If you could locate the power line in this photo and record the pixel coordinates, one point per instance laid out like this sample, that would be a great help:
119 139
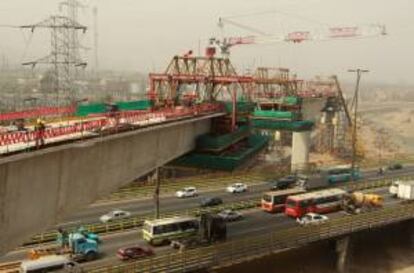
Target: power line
9 26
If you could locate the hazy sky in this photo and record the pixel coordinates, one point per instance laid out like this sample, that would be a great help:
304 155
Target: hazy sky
142 35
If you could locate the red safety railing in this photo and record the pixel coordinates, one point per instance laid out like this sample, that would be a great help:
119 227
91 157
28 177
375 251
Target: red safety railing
108 121
28 136
38 112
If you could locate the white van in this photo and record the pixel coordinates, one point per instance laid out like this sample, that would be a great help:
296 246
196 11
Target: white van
49 264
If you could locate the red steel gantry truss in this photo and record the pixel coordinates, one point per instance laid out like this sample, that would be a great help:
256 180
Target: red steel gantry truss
205 78
189 79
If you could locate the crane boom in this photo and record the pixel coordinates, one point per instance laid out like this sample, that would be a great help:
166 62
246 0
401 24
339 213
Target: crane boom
326 34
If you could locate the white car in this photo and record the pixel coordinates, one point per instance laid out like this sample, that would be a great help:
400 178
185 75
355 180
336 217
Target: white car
187 192
114 215
237 188
312 219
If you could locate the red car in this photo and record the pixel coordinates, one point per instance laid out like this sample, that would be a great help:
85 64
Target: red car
134 252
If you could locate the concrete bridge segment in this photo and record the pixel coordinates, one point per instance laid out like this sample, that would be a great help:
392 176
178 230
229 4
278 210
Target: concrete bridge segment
38 189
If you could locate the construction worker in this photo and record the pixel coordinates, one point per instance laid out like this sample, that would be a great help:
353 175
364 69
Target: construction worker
19 123
40 132
63 238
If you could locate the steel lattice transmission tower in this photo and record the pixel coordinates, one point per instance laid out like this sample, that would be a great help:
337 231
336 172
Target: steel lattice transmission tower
65 53
72 8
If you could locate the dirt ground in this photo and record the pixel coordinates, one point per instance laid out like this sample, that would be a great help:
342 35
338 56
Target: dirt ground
383 133
389 131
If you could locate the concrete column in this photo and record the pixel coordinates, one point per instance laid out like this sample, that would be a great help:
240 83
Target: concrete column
300 150
342 247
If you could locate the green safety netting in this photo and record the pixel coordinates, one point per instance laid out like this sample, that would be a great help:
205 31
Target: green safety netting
134 105
241 106
98 108
218 143
92 108
275 114
227 162
303 125
292 100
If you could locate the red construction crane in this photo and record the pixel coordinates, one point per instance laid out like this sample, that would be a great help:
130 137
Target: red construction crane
319 34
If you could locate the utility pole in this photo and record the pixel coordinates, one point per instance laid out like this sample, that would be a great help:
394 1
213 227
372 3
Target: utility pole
156 176
354 131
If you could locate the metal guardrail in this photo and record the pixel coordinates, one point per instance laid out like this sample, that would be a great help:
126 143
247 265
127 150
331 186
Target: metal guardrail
135 222
245 249
409 159
356 186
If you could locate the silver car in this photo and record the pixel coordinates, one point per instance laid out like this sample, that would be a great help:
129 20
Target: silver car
230 215
114 215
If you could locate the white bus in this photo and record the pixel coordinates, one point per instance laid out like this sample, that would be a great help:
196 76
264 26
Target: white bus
49 264
162 231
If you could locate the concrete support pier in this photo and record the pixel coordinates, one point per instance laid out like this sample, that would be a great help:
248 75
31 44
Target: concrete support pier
300 150
342 247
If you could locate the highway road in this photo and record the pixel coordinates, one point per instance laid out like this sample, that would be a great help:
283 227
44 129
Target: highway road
255 222
170 203
167 203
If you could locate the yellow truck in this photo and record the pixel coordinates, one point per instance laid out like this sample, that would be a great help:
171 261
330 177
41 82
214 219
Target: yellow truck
357 202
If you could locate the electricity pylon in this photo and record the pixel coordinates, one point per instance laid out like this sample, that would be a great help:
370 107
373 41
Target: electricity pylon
64 56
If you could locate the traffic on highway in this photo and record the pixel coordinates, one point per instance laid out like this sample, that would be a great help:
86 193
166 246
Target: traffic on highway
302 202
170 203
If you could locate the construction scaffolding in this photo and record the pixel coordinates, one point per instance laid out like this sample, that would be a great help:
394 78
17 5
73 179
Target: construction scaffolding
335 129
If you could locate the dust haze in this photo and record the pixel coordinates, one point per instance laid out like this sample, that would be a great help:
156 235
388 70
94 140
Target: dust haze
143 35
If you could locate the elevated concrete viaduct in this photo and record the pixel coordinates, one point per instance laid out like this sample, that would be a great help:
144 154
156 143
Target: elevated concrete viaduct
38 189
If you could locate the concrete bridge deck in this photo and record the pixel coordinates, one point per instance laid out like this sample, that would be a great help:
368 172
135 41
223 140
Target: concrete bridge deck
38 189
